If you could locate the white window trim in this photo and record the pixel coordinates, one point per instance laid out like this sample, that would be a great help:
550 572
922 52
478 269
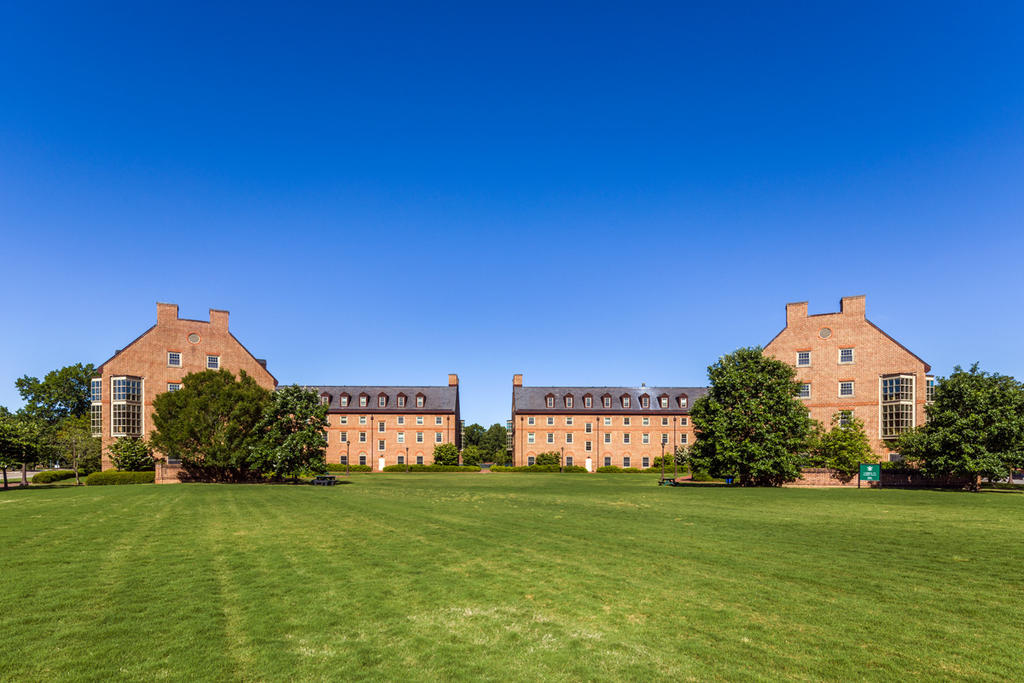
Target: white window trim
208 357
173 365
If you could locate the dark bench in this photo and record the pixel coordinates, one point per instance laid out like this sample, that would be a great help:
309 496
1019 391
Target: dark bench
324 480
669 482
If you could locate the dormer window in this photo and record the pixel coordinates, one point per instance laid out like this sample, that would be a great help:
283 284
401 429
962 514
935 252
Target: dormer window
568 401
401 400
549 401
663 401
588 401
325 399
625 401
419 400
343 400
606 401
645 401
382 401
682 402
364 400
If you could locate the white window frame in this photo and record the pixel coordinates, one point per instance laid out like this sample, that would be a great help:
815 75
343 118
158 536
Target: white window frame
531 421
216 362
531 437
174 386
568 437
438 420
173 353
401 437
799 354
852 356
805 386
551 437
852 388
438 437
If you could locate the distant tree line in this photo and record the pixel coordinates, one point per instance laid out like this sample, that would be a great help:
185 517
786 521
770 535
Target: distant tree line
485 445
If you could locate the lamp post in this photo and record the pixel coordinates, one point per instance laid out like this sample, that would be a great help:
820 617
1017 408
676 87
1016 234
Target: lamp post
406 459
561 457
663 458
347 445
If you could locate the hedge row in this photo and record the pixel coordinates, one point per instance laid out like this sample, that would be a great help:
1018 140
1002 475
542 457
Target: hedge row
52 475
109 477
431 468
338 467
538 468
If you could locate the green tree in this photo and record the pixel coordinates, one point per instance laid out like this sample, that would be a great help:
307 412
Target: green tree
79 446
751 425
843 448
549 458
293 436
474 435
494 440
210 424
19 443
131 454
446 454
60 394
473 455
975 427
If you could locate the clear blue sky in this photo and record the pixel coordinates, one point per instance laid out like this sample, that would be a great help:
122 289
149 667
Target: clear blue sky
588 194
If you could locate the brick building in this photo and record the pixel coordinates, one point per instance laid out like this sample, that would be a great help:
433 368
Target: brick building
599 426
379 426
847 365
155 362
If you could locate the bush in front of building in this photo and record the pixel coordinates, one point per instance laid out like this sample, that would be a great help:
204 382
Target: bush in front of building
115 477
473 455
446 454
131 454
52 475
609 469
340 467
431 468
750 388
539 468
843 448
549 458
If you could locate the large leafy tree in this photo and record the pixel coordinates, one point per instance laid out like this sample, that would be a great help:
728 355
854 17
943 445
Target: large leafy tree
474 435
446 454
75 439
292 434
61 393
493 441
211 423
131 455
843 448
975 427
19 443
751 425
473 455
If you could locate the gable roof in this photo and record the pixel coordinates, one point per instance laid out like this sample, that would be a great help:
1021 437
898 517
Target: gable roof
436 398
533 399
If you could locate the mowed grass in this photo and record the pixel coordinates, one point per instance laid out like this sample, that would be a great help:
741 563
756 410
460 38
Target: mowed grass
509 576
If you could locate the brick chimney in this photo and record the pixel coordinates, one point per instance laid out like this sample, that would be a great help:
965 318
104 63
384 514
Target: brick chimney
219 318
166 313
517 380
853 305
795 311
453 380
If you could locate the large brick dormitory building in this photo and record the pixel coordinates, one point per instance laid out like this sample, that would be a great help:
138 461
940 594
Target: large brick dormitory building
846 363
600 426
155 362
380 426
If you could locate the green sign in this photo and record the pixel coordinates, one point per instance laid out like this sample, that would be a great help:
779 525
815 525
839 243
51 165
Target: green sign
870 472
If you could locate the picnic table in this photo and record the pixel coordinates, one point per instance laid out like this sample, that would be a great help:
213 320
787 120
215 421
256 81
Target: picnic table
668 481
324 480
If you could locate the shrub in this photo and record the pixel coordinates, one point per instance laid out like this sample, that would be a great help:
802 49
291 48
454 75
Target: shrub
446 454
52 475
109 477
431 468
549 458
702 476
631 469
608 469
340 467
131 454
538 468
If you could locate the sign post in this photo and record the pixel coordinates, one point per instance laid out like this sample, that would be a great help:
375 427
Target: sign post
870 472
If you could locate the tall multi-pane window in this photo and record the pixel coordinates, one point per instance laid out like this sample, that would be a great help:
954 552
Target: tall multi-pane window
897 405
625 401
213 362
845 355
607 461
846 389
568 461
929 388
607 401
646 439
438 437
803 358
382 401
438 420
588 427
380 426
568 401
419 401
174 359
362 401
805 390
126 406
588 402
568 438
845 417
664 401
551 437
588 446
401 401
645 402
550 401
343 401
96 409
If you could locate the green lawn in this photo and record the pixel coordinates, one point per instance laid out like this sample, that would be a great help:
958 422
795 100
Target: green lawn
509 576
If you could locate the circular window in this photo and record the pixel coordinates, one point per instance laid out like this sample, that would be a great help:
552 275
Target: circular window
193 338
824 333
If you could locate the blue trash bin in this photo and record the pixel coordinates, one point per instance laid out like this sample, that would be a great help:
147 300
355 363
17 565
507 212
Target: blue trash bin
728 480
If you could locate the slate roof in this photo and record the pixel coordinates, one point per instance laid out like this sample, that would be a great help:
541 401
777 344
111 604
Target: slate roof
533 399
437 399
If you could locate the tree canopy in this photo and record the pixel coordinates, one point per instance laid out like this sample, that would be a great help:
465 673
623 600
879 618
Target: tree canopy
211 424
751 425
843 448
975 427
61 393
446 454
292 434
